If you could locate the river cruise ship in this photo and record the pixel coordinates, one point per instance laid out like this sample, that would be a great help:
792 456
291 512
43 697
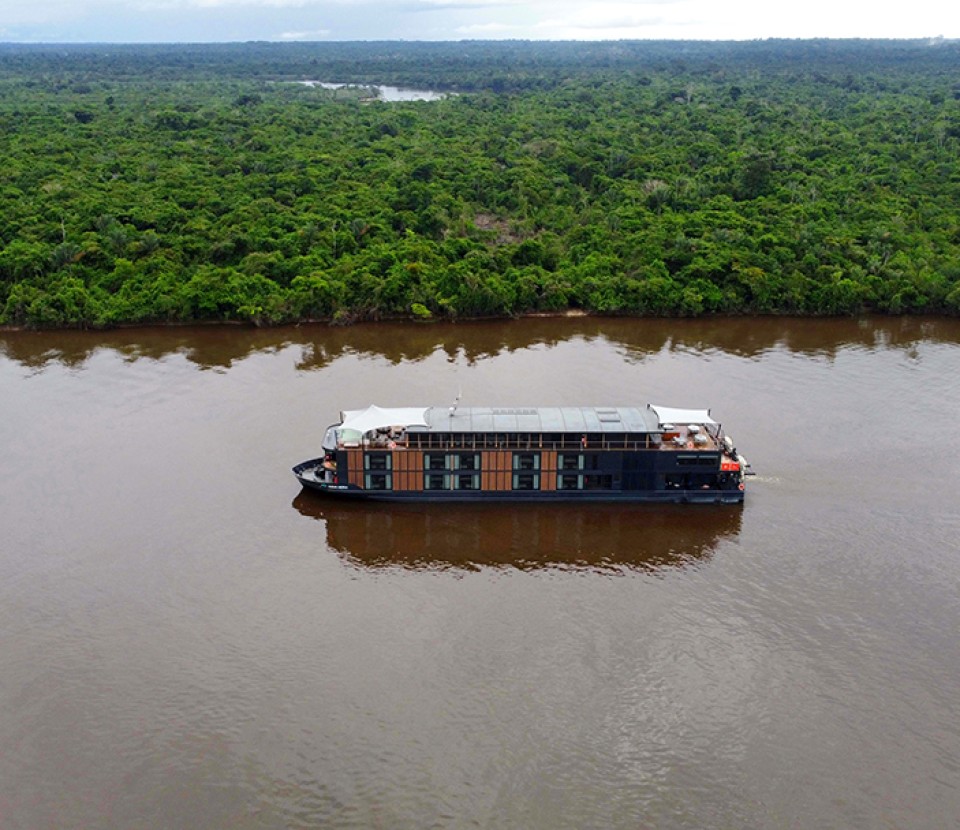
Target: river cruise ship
652 453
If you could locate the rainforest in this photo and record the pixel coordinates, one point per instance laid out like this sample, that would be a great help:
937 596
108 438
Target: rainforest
189 183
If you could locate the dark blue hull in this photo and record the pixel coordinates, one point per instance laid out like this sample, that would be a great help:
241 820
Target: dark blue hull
304 474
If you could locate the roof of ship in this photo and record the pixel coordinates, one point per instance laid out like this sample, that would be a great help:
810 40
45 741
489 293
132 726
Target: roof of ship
542 419
539 419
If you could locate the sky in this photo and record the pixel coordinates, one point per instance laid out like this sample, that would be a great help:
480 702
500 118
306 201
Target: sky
203 21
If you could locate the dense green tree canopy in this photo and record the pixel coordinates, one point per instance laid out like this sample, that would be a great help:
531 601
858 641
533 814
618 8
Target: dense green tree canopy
152 183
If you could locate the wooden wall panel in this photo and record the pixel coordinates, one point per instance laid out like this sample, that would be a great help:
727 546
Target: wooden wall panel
415 471
355 466
548 470
494 470
506 470
406 476
488 470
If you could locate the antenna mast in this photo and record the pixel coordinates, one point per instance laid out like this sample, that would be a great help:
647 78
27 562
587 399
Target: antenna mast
456 401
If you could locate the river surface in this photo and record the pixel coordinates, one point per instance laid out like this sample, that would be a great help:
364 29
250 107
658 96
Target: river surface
383 91
190 641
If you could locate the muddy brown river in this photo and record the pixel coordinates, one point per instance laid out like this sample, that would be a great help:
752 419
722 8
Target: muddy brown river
190 641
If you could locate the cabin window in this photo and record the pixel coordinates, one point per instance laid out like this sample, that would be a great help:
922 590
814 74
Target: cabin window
434 461
435 481
526 481
526 461
697 460
569 481
468 482
378 460
468 461
378 481
597 482
570 461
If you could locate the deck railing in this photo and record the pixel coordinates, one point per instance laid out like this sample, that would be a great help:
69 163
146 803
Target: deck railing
530 442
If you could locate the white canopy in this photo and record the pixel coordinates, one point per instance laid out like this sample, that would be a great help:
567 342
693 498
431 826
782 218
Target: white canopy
373 417
670 415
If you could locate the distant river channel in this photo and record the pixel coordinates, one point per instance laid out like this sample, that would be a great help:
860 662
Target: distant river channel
384 92
191 641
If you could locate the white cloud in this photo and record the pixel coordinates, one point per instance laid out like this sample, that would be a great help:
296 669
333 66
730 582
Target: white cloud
312 34
205 20
175 5
471 4
41 13
486 29
186 5
600 21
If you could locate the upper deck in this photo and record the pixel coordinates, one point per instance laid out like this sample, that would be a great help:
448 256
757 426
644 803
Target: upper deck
528 428
542 420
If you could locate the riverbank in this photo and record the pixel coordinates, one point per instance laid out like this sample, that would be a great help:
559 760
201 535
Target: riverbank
570 314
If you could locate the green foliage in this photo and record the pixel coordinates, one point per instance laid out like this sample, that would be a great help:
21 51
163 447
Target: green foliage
176 183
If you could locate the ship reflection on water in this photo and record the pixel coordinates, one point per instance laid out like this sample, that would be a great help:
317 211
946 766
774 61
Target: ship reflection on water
527 537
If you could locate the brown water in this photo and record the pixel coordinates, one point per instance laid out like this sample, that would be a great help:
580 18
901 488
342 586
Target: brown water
190 641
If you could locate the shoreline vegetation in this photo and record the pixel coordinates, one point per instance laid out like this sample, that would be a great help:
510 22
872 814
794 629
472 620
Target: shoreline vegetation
191 183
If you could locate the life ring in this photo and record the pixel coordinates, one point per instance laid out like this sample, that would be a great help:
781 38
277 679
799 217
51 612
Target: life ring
741 486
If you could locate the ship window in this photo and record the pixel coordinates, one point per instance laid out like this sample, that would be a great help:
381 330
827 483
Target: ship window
526 481
568 481
435 461
435 481
468 461
378 481
378 460
570 461
597 482
696 460
468 482
526 461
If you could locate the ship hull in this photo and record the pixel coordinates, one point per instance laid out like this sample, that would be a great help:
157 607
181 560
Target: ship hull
346 491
